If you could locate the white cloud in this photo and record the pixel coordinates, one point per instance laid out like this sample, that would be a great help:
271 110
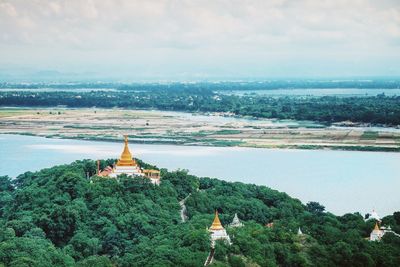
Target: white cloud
219 32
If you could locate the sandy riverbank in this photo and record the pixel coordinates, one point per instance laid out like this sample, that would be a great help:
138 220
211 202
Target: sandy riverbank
187 129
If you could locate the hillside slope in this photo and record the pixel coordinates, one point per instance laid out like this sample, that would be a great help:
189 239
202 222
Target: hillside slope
59 217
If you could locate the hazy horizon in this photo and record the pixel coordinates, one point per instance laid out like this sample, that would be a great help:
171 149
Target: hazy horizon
188 40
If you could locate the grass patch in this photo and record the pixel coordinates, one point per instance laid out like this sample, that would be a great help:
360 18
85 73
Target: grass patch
225 131
369 135
207 133
14 112
94 127
226 143
200 133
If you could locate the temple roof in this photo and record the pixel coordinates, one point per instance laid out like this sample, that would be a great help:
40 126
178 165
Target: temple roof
126 156
216 225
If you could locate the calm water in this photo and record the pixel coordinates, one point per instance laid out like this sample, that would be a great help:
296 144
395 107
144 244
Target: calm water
343 92
342 181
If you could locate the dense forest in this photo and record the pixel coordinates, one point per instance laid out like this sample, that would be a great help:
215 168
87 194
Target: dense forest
60 217
380 109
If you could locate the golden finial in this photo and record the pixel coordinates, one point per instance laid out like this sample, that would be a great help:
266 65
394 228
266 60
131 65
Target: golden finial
126 156
216 225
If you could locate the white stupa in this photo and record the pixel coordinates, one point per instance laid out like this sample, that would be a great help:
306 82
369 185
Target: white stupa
375 216
236 222
299 232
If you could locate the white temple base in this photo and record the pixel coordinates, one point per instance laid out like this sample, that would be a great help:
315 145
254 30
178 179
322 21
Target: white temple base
219 235
131 171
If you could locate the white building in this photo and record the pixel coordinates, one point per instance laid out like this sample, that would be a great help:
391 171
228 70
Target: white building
218 232
379 232
376 234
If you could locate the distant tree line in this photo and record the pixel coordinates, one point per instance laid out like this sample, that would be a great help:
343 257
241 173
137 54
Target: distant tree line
379 109
59 217
382 83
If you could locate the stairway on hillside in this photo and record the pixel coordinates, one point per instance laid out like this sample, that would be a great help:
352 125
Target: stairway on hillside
183 208
210 257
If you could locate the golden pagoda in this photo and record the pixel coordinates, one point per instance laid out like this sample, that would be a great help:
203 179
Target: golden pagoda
127 165
126 156
216 225
218 232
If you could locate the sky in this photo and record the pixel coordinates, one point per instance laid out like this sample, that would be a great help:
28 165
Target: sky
129 40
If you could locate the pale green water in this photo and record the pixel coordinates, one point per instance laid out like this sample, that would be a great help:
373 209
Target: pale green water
340 92
343 181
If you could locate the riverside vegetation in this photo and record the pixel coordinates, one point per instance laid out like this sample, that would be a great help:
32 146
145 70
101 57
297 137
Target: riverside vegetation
60 217
378 109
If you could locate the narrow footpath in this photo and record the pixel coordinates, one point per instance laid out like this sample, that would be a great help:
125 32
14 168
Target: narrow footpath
210 257
183 208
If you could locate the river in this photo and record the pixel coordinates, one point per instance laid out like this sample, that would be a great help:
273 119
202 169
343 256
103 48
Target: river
316 92
343 181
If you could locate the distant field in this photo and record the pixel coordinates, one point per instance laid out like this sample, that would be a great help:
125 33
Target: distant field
15 112
190 129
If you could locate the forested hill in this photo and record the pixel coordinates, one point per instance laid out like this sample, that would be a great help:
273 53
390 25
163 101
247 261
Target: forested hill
58 217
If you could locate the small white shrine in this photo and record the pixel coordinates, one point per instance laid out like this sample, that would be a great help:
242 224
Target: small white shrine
236 222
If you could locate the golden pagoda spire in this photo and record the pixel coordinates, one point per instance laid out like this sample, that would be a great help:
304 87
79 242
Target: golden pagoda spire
126 156
216 225
376 226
